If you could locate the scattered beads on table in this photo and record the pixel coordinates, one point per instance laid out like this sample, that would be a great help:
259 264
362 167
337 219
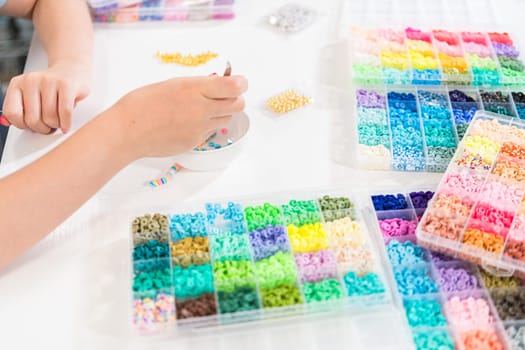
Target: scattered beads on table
287 101
186 60
292 18
163 180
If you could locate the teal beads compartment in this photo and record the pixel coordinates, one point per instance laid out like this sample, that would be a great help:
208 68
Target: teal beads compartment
187 225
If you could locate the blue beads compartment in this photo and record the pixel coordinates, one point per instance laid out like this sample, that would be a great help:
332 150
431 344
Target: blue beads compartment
420 127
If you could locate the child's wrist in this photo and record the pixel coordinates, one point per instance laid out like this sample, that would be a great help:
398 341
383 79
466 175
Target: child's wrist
112 131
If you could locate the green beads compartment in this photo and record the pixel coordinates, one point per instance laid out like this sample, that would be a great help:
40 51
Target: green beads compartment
276 270
300 213
261 216
328 289
284 295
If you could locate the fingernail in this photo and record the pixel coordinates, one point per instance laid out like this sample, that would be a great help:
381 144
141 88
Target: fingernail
4 121
64 131
213 74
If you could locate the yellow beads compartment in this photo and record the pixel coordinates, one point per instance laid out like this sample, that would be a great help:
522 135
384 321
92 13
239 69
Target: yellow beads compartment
307 238
186 60
287 101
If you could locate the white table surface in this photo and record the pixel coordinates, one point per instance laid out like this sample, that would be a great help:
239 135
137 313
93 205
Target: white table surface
71 291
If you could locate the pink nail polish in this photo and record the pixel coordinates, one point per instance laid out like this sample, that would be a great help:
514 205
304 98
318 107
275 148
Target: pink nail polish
4 121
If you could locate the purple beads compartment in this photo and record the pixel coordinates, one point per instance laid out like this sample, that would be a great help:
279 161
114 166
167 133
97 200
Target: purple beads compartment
267 241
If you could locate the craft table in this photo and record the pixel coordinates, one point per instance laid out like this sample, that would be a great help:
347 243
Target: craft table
71 291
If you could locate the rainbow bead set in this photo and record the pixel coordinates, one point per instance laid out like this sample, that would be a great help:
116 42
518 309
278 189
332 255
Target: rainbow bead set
434 57
478 210
250 261
109 11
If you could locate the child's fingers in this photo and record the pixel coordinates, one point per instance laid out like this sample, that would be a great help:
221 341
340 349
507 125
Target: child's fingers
66 102
13 109
49 107
227 106
224 87
32 109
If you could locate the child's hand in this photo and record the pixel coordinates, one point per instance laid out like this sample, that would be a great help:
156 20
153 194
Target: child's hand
44 101
174 116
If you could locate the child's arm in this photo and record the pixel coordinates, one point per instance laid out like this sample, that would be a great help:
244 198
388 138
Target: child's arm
43 101
162 119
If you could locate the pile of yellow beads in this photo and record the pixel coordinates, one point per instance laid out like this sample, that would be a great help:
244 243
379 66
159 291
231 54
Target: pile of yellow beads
186 60
307 238
287 101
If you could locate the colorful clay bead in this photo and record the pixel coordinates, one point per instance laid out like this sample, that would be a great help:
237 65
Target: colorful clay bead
268 241
367 284
316 266
433 340
238 300
151 311
258 217
328 289
424 313
192 281
276 270
307 238
284 295
456 279
204 305
509 303
404 253
413 281
389 202
299 212
187 225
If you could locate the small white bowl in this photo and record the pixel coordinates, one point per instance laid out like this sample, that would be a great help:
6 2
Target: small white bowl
216 159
